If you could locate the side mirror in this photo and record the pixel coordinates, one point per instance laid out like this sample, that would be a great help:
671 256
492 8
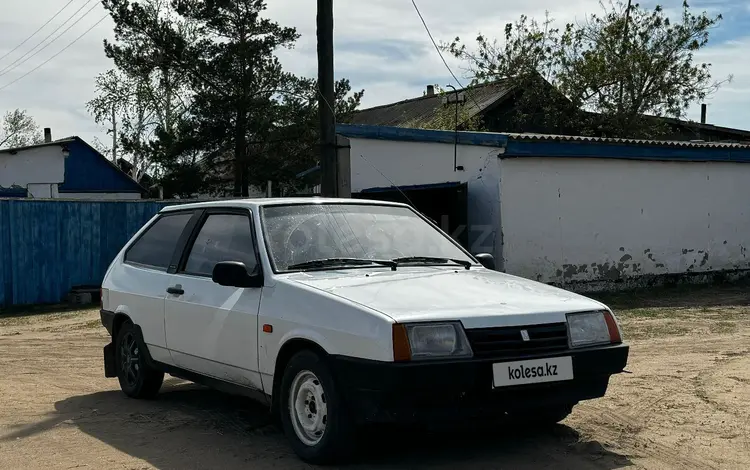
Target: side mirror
487 260
234 274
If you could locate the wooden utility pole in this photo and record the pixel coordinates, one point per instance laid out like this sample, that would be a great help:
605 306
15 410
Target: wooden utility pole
623 48
114 135
328 160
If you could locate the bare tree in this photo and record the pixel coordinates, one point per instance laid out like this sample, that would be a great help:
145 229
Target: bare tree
18 130
146 94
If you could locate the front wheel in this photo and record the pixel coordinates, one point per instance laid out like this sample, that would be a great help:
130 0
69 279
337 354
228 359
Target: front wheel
137 379
312 412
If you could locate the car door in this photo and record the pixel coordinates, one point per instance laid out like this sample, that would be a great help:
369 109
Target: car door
213 329
139 285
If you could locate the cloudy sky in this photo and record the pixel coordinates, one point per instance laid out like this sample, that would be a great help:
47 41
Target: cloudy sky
381 46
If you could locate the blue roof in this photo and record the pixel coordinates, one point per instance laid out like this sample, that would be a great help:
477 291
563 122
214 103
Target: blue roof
421 135
541 145
87 170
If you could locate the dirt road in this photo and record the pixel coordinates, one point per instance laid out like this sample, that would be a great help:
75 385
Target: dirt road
686 404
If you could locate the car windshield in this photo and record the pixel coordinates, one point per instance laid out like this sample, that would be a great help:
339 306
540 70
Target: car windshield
345 234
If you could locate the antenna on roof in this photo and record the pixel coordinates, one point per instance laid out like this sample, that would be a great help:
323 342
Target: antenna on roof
390 181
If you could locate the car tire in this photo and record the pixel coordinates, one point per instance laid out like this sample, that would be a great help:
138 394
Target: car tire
137 378
312 411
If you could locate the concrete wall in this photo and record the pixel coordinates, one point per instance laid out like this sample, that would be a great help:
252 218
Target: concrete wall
567 220
42 191
382 163
38 166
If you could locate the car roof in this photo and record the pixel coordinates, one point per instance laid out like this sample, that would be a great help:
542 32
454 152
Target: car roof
282 201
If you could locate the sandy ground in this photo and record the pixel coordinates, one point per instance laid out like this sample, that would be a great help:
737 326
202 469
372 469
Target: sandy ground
685 404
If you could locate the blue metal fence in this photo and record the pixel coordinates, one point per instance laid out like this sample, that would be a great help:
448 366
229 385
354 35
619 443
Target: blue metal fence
47 247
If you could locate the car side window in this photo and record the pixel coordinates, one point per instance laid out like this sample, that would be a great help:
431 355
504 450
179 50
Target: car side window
223 237
154 248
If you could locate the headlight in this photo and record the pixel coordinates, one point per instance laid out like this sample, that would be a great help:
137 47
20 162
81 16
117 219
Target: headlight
429 340
591 328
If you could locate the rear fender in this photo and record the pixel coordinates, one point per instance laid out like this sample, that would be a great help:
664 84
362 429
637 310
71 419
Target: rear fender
110 354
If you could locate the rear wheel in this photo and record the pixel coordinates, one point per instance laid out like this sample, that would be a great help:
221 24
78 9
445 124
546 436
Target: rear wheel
137 379
312 412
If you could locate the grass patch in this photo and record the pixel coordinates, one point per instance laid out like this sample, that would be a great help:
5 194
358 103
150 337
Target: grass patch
644 313
722 327
684 296
655 330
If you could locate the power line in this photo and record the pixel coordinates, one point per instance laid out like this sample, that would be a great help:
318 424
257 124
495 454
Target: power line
57 54
34 33
440 53
16 63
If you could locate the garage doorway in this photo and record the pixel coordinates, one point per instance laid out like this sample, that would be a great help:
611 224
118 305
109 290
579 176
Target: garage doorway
444 203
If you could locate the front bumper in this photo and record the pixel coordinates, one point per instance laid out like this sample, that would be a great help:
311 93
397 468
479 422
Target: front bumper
417 391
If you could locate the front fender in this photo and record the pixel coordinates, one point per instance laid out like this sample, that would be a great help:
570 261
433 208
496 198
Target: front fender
309 335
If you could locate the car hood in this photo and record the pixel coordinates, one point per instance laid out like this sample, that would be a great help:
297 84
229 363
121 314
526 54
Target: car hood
478 297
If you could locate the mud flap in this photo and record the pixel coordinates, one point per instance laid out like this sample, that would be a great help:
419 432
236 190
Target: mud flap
110 364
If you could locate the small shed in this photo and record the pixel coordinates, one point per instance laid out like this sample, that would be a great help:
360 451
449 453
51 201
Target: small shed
67 168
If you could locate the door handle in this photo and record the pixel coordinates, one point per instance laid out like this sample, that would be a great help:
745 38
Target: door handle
176 290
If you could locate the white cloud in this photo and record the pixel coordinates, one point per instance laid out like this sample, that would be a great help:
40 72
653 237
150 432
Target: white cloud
381 46
56 93
728 107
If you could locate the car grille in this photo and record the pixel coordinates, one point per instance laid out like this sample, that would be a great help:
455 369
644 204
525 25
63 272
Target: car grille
508 342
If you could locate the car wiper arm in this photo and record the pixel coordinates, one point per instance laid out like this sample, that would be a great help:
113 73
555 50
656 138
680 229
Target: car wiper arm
334 262
432 260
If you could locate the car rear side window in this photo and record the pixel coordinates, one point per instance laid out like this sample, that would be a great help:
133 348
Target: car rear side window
156 245
223 237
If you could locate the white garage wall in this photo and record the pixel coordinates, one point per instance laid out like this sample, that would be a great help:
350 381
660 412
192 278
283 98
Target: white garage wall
590 219
416 163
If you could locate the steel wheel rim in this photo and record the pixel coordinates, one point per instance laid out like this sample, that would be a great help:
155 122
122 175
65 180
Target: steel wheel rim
308 408
130 359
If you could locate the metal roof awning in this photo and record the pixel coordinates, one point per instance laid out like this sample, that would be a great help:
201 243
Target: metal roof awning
414 187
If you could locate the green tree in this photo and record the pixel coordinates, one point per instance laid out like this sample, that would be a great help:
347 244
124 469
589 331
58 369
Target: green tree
293 145
605 74
147 92
18 129
236 76
244 117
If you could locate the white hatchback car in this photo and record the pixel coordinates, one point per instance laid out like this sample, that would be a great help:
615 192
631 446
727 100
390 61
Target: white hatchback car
342 312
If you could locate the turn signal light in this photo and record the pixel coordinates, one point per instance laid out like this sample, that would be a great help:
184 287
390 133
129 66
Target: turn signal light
614 331
401 348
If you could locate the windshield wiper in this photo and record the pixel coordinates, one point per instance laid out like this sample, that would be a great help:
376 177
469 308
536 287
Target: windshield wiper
431 260
336 262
